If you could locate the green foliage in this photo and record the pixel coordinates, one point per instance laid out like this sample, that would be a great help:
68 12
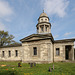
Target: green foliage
15 44
60 68
5 38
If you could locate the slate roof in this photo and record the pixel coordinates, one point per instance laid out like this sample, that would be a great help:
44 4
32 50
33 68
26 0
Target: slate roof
64 40
10 46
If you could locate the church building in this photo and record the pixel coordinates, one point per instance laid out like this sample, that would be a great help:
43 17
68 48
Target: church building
40 47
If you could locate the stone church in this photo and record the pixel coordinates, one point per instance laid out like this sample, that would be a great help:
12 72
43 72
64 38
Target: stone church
40 47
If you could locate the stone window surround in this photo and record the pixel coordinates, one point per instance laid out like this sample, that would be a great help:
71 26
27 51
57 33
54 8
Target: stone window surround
16 53
3 53
9 53
42 28
57 50
34 53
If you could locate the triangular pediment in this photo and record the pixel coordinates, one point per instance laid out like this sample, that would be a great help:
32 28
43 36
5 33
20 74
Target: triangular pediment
34 37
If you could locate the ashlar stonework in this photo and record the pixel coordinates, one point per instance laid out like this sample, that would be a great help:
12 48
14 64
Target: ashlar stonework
40 47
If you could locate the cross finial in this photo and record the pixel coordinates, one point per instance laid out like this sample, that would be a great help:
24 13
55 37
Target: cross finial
43 11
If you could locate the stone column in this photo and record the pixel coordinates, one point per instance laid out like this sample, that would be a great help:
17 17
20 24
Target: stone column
72 53
44 28
49 29
39 30
63 52
49 52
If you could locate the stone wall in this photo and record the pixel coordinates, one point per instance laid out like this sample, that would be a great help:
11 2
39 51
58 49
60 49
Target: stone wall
12 57
61 46
44 51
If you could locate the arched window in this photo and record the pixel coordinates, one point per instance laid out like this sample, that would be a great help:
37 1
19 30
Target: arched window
3 54
42 29
46 28
16 53
37 30
9 52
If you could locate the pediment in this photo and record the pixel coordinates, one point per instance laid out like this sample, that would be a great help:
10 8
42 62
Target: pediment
34 37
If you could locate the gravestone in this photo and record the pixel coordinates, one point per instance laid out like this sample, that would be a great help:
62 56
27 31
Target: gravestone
53 66
31 64
50 69
34 64
19 64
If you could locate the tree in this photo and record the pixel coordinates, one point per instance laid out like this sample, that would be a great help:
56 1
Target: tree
5 38
15 44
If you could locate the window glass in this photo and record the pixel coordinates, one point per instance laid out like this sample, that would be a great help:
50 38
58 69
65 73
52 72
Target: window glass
35 50
41 28
9 53
3 54
37 30
45 19
16 53
41 19
57 51
46 28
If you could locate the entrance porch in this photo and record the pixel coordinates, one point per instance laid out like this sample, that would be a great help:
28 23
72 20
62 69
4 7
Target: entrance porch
69 53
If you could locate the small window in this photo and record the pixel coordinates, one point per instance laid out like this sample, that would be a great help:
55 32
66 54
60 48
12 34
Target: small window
46 28
41 19
57 52
35 50
37 30
9 52
41 28
3 54
16 53
45 19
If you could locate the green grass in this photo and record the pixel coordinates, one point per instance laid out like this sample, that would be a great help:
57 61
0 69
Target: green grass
61 68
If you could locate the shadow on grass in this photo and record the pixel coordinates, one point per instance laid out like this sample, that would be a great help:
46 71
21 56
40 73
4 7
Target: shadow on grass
9 72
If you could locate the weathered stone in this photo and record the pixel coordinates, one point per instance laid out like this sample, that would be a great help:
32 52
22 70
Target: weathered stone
45 46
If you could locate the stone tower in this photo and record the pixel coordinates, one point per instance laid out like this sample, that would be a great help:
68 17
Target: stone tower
43 25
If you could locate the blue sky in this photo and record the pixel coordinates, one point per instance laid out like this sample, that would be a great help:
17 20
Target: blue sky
19 17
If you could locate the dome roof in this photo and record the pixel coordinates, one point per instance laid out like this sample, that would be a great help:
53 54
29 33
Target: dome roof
43 14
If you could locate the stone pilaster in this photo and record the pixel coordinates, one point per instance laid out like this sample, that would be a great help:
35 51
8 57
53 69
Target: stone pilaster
64 52
72 53
44 28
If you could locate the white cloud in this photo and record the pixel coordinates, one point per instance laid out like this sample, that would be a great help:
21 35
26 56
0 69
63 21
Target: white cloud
56 36
5 9
55 7
67 34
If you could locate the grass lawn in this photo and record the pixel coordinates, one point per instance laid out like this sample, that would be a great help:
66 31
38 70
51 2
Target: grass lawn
60 68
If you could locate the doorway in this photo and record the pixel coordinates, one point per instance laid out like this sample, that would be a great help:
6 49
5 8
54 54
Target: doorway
68 52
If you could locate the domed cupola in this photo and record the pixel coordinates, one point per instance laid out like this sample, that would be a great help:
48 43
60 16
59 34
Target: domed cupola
43 25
